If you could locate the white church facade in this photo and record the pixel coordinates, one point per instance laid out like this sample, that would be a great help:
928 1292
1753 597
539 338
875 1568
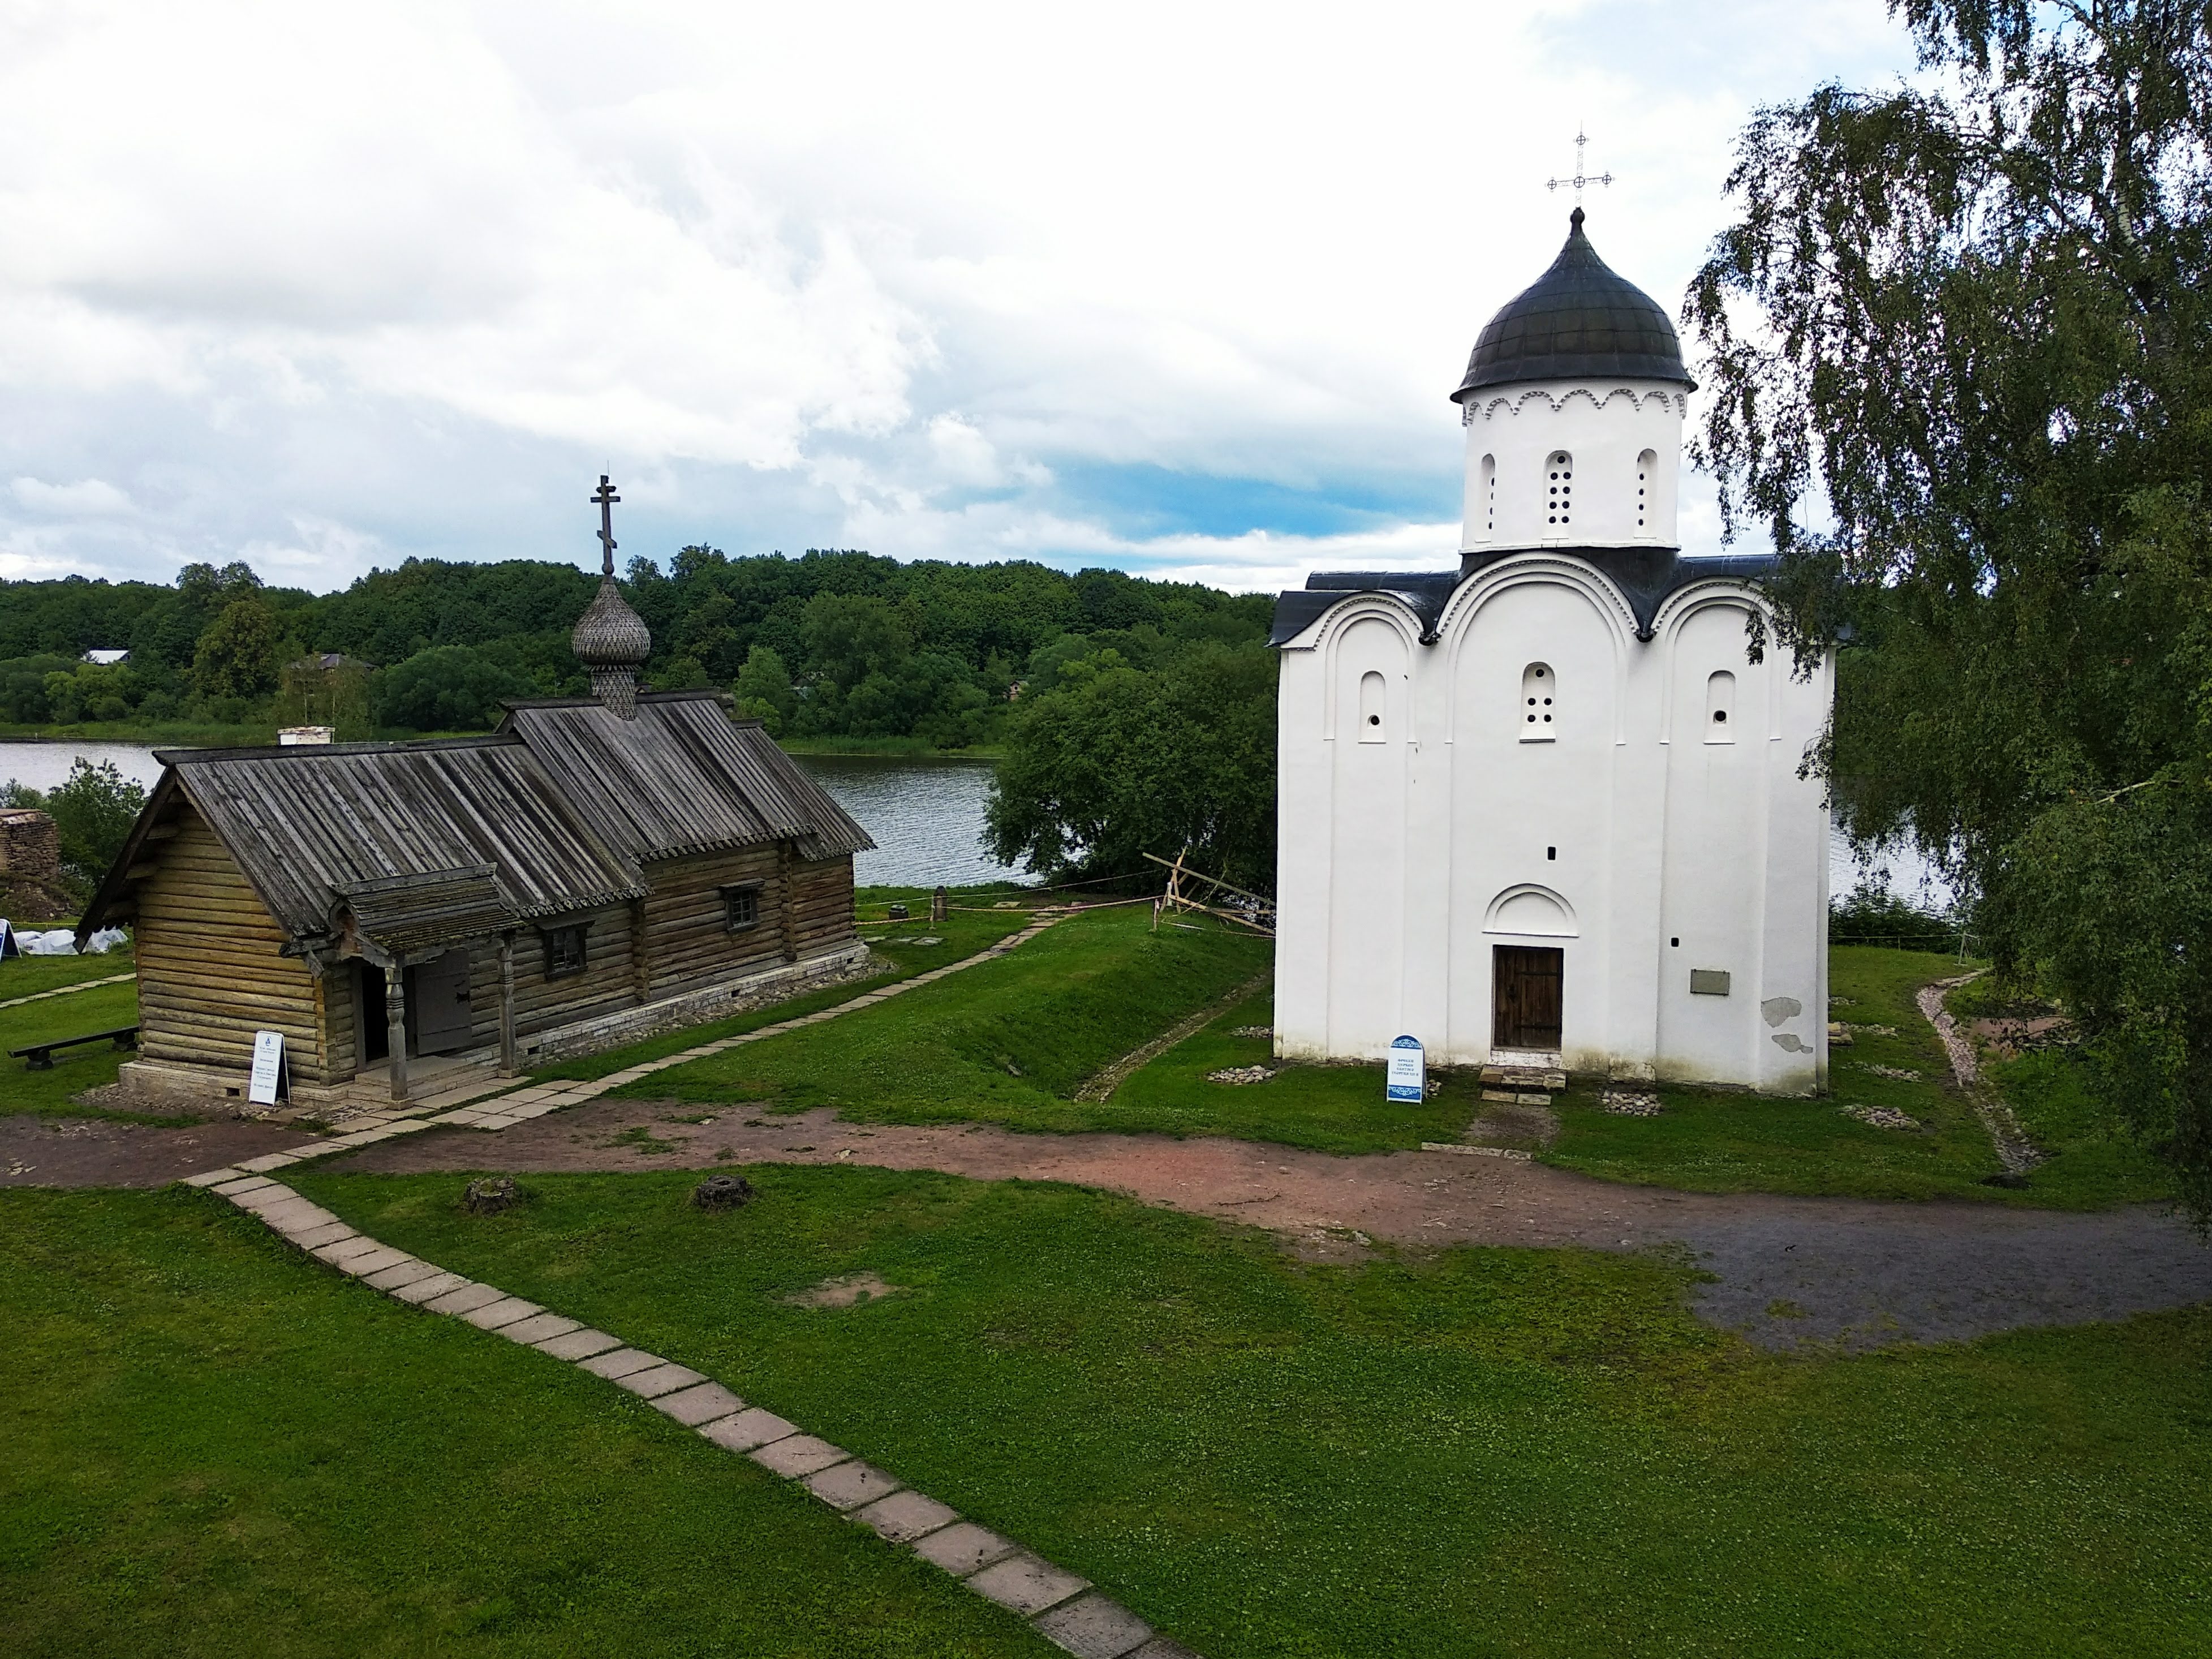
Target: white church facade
1545 804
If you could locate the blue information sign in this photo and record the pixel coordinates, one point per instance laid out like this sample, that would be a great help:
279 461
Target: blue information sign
1406 1077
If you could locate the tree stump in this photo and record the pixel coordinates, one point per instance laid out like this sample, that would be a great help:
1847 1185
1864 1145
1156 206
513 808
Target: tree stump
492 1195
722 1192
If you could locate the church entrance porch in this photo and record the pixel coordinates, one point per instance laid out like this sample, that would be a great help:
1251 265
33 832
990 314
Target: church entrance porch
1525 980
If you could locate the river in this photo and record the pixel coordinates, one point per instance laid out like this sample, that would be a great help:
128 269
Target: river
927 816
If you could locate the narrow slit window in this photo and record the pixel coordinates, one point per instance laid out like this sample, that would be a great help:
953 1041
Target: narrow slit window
1720 707
1558 489
1647 470
1539 711
1372 697
1489 497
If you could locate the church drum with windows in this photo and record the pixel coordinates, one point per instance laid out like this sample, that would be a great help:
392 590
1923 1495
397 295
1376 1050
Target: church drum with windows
1547 803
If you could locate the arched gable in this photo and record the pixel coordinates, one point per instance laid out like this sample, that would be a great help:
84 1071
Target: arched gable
1605 601
1673 616
1343 624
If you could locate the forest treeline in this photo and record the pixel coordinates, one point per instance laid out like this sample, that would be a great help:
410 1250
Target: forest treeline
833 644
1135 715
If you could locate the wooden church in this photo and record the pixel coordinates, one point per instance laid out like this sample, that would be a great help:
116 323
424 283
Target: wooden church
597 870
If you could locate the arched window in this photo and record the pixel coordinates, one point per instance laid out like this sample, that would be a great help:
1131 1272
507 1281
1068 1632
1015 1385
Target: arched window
1720 707
1489 497
1647 472
1559 487
1539 703
1370 707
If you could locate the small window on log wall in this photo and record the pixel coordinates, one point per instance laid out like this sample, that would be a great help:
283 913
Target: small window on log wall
743 905
564 952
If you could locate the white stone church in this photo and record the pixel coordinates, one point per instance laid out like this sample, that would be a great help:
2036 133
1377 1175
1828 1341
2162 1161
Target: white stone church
1545 804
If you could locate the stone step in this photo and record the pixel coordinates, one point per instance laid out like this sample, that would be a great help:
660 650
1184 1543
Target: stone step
1523 1077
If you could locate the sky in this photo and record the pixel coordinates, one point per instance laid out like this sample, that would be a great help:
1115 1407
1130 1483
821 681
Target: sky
1180 289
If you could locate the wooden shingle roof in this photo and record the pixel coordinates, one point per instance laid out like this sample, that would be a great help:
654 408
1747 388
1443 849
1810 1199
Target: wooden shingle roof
558 812
682 777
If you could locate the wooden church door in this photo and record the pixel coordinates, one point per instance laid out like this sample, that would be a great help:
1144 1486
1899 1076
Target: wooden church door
438 1003
1527 996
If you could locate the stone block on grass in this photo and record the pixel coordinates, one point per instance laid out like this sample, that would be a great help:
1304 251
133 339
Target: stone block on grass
294 1226
211 1177
906 1516
537 1327
407 1273
345 1250
1093 1627
663 1378
797 1455
621 1362
328 1233
963 1547
373 1262
1027 1583
421 1291
701 1403
579 1345
507 1310
468 1297
849 1485
242 1187
747 1429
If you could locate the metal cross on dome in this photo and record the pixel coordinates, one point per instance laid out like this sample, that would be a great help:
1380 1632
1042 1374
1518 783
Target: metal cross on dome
604 501
1582 141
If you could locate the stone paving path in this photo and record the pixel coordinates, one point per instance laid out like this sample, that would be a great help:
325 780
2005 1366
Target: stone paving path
64 990
1059 1606
536 1099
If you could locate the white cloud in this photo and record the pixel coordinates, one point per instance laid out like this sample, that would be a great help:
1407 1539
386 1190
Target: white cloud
87 498
333 285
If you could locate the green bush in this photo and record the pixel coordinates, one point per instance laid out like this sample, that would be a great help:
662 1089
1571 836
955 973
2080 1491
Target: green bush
448 687
1874 916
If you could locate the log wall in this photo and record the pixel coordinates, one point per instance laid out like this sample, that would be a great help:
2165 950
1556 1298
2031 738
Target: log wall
688 937
821 903
209 971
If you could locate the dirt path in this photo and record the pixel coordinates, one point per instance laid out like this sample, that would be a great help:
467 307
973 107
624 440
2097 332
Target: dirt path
95 1152
1786 1271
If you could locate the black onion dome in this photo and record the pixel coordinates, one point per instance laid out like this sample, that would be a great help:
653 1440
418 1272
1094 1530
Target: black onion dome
1576 321
610 634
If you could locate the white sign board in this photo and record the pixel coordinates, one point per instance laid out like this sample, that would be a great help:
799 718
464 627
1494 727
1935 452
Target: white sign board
1407 1078
269 1082
8 939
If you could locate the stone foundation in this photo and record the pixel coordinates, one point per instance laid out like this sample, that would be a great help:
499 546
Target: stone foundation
838 966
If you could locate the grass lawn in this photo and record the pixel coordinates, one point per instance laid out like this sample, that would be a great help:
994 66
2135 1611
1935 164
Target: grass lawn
961 935
105 1008
215 1446
1476 1452
2049 1093
1007 1042
1329 1109
1709 1141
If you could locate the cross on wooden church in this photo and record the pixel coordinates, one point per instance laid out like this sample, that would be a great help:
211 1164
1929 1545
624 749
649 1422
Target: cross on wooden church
1582 142
605 499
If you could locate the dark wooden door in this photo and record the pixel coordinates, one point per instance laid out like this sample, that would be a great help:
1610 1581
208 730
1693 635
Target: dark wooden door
1527 996
438 1004
373 1021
